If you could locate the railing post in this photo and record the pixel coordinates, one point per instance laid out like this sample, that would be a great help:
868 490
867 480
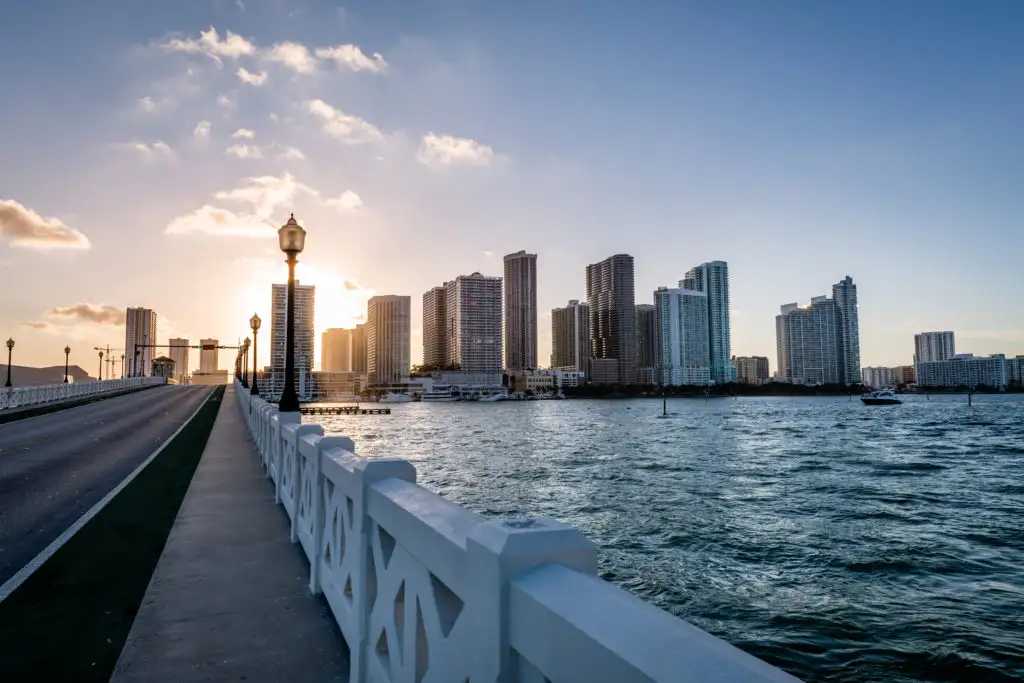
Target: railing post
327 443
282 420
497 553
297 474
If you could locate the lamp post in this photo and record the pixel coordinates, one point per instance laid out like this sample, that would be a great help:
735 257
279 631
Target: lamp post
292 239
10 348
101 366
67 355
254 323
122 366
245 363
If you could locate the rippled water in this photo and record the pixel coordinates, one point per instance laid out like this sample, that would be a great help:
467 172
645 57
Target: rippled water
838 541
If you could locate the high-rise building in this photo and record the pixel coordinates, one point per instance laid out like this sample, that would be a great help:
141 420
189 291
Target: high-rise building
612 300
305 296
387 339
844 293
570 337
520 311
683 345
931 347
751 369
359 349
139 338
336 350
808 343
473 323
435 338
646 343
179 354
712 278
208 356
966 370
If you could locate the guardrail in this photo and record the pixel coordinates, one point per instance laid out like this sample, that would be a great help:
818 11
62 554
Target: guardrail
425 590
19 397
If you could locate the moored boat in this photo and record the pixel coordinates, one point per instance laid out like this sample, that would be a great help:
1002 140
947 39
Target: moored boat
885 397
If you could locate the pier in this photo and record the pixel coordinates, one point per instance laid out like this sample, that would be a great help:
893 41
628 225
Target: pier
343 410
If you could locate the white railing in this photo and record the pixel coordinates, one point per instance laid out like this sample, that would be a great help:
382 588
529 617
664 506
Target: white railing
426 591
19 397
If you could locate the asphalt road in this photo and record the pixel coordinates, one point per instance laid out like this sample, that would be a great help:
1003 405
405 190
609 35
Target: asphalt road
53 468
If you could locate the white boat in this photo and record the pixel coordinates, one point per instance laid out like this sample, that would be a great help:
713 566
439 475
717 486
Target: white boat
493 398
885 397
395 398
439 394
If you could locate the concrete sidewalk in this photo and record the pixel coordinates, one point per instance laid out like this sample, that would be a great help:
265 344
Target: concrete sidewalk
229 599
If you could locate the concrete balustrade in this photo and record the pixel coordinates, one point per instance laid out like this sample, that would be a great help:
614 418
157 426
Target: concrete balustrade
20 397
424 590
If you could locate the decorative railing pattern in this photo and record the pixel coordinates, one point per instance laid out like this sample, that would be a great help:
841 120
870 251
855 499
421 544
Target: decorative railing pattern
19 397
424 590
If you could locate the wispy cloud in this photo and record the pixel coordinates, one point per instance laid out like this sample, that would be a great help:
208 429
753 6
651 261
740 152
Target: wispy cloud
245 151
147 104
448 150
101 315
148 150
210 44
243 133
251 78
202 130
224 101
35 324
348 202
265 193
291 153
211 220
351 57
23 227
348 128
294 56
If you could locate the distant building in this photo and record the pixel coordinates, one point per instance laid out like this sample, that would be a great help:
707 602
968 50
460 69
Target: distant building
435 338
336 350
387 339
683 353
214 378
163 367
930 347
140 335
880 377
520 311
646 343
820 343
751 369
533 381
305 296
473 323
712 278
844 293
359 349
612 299
208 356
179 354
966 370
905 374
1015 368
570 337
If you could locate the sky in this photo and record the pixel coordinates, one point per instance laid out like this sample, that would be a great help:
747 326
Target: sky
149 152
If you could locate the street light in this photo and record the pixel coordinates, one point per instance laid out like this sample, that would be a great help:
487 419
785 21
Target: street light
122 366
292 239
10 348
67 355
101 366
254 323
245 363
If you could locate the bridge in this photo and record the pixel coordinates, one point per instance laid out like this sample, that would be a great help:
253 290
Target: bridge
287 556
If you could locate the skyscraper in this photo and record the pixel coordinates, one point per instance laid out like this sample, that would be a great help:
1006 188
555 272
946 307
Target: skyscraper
520 311
208 356
336 350
683 345
473 323
646 343
305 296
612 300
809 344
359 348
388 331
845 294
140 331
751 369
712 278
570 337
932 347
179 354
435 348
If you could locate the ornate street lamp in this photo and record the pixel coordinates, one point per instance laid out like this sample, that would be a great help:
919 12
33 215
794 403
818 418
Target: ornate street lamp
67 355
122 366
245 362
101 366
254 323
10 348
292 239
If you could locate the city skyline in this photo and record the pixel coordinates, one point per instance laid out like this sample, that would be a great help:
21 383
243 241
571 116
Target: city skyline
441 129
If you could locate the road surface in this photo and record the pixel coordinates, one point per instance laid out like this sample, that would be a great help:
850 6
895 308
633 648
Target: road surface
54 468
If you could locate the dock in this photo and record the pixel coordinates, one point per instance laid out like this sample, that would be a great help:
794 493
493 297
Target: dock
343 410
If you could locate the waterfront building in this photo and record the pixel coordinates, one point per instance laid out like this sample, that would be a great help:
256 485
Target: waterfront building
712 278
570 336
359 349
683 344
473 323
140 330
388 332
612 299
533 381
751 369
179 354
807 341
930 347
880 377
965 370
646 343
336 350
435 346
208 355
905 374
520 311
305 296
844 293
1015 370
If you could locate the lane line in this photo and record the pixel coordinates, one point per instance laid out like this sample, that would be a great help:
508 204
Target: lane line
15 581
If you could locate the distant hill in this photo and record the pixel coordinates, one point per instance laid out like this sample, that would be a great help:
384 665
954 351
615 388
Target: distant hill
22 376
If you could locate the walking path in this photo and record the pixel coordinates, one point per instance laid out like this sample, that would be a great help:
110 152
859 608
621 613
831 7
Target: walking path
229 599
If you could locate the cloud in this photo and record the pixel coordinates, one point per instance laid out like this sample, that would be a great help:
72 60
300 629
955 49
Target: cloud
291 153
351 285
351 57
210 44
147 104
212 220
348 202
352 130
295 56
447 150
23 227
224 101
154 150
243 133
202 130
251 78
35 324
273 117
101 315
265 193
245 151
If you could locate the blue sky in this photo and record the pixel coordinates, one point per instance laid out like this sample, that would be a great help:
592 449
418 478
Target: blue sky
417 141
